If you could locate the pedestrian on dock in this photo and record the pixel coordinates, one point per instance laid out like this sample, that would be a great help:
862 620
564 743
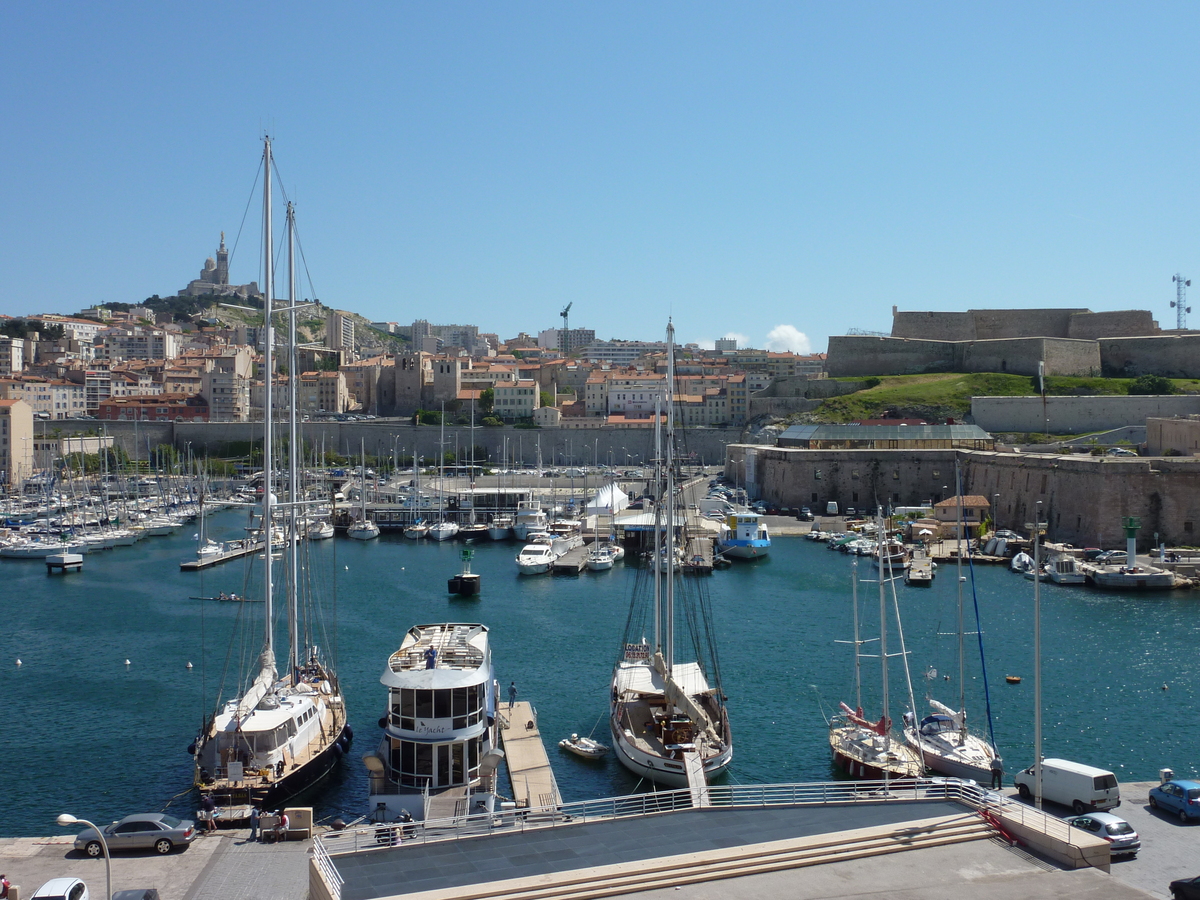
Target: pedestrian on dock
254 814
512 694
4 885
997 773
208 806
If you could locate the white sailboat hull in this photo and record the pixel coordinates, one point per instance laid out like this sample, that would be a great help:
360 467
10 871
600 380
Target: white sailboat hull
667 772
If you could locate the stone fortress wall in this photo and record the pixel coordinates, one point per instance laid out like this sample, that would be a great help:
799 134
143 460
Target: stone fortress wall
861 355
1070 341
1084 498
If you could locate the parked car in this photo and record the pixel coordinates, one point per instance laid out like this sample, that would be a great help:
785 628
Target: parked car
1179 797
1186 888
1111 558
1119 833
144 831
137 894
1119 451
61 889
805 514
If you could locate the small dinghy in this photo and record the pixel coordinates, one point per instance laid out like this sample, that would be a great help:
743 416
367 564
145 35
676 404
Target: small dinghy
583 746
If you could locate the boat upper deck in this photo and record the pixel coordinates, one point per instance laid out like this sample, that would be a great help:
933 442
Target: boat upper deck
445 647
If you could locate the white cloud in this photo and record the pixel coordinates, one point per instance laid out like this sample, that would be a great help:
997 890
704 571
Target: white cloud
788 337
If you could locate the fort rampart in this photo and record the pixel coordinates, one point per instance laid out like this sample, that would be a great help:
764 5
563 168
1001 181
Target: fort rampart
1075 415
1084 498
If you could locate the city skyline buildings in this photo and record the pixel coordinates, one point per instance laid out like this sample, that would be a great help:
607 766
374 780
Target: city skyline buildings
779 174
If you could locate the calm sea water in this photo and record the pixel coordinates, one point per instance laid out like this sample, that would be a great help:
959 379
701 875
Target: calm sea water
81 732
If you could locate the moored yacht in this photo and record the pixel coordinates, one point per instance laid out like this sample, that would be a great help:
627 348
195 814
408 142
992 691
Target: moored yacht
436 758
667 712
530 518
287 729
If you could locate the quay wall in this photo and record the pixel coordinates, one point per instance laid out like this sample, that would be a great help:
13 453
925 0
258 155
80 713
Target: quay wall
1084 498
559 445
125 435
1076 415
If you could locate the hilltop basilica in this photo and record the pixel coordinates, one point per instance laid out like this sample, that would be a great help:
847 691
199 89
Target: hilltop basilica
214 279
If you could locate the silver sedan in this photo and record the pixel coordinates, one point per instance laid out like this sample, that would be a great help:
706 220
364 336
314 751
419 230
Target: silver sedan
156 831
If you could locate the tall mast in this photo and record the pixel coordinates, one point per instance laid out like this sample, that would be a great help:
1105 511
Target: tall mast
293 611
669 458
962 671
268 393
658 524
883 655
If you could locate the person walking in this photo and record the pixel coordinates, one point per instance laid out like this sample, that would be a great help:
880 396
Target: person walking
512 694
254 814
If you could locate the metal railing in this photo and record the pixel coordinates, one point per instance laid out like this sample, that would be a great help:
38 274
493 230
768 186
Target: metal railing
509 820
392 835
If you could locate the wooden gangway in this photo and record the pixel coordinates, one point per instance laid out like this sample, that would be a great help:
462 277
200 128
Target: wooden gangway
529 771
697 783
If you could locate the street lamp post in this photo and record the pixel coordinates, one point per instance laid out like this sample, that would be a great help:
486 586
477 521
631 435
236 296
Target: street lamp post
67 819
996 513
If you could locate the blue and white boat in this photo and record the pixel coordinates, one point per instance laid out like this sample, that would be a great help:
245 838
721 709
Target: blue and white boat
744 535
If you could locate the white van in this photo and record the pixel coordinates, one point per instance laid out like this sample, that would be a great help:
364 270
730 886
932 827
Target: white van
831 508
1072 784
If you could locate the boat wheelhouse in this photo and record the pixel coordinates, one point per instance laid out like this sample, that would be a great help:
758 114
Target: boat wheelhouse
744 535
436 756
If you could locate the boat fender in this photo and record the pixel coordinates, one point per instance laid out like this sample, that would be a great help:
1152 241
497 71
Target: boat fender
349 732
192 749
383 721
338 751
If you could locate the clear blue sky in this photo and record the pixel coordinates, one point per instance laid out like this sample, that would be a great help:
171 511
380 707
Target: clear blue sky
749 168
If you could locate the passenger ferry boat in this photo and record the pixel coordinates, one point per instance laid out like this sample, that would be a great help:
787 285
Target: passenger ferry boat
436 758
744 536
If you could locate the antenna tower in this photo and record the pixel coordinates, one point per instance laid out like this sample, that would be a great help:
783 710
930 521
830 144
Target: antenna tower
1180 301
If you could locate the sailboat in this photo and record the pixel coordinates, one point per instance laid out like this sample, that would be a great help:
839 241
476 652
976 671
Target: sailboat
443 530
285 730
860 747
942 738
668 718
362 528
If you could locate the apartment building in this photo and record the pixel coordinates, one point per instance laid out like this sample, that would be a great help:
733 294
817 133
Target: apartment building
47 398
16 442
137 343
516 400
12 356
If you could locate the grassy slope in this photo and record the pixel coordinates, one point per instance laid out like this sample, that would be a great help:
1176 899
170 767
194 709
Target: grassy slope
948 394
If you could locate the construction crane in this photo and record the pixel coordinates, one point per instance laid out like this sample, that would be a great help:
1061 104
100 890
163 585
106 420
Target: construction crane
1179 303
563 337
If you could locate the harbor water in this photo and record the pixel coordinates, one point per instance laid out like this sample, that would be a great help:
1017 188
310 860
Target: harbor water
82 732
